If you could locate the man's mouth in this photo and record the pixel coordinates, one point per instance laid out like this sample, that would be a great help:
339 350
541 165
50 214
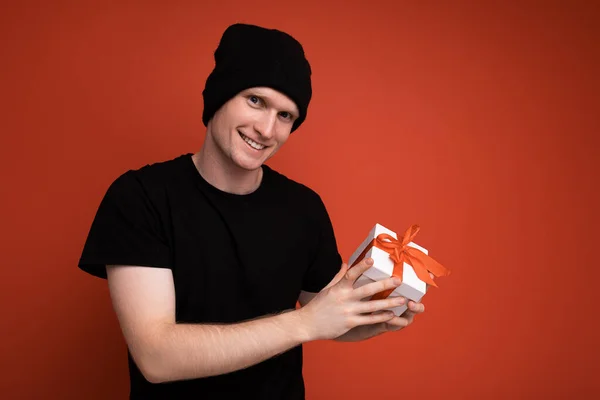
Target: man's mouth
251 143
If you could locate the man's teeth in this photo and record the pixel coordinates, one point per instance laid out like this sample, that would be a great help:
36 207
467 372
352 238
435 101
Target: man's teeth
252 143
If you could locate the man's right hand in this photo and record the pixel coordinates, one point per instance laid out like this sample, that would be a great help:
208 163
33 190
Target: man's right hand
340 307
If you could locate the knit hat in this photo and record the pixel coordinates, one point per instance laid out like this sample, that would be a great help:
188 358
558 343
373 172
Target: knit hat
250 56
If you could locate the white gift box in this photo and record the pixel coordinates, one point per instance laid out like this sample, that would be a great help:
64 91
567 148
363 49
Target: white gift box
411 288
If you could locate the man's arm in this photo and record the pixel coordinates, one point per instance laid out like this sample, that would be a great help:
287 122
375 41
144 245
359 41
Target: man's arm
144 302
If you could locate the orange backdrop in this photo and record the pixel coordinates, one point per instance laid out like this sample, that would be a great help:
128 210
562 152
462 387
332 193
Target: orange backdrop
478 122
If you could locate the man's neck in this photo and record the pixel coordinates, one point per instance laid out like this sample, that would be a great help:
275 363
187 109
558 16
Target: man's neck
226 176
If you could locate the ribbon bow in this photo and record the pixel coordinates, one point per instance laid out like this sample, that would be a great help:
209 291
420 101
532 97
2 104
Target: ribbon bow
400 252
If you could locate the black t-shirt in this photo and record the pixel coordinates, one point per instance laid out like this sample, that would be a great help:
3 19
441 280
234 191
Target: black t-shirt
233 258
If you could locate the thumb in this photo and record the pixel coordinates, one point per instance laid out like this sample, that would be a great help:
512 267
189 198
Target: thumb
338 277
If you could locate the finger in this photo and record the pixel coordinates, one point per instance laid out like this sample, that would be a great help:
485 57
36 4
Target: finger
372 306
355 272
415 307
372 288
338 277
409 316
374 318
397 323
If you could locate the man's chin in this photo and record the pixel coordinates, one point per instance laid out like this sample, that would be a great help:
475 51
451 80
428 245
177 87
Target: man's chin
250 166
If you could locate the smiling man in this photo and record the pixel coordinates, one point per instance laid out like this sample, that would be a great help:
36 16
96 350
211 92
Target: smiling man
207 254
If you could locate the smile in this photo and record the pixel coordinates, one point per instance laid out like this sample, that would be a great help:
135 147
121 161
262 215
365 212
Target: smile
251 142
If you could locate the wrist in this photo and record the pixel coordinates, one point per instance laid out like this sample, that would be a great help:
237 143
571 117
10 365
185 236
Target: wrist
300 327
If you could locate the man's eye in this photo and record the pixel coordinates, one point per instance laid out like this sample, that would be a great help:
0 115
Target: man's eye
286 115
254 99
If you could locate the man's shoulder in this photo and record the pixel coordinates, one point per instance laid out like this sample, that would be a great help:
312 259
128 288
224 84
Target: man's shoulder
157 172
149 179
162 171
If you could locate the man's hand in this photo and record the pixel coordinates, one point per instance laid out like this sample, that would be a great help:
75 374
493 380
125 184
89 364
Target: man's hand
340 307
396 323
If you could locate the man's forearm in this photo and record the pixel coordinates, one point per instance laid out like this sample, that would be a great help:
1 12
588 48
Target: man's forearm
188 351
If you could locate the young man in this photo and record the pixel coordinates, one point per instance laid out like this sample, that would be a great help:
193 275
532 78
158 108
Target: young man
207 254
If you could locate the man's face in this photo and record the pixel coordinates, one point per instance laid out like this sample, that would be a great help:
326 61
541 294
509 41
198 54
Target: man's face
252 126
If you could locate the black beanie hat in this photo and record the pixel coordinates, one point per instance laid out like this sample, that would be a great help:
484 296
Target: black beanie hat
250 56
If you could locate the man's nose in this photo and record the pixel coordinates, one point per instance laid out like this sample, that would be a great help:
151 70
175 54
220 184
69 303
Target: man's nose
265 125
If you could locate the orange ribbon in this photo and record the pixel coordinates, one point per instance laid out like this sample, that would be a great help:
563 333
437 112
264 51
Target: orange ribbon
400 253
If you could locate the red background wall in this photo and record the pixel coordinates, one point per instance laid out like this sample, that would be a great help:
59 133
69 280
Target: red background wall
477 121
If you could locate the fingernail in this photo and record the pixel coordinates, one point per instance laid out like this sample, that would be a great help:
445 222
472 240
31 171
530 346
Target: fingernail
369 261
397 281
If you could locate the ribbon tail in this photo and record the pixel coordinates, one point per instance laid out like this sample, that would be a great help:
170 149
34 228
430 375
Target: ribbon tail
430 264
422 273
421 269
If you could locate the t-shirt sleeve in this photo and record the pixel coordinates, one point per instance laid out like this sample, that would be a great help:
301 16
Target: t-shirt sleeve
327 260
125 231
